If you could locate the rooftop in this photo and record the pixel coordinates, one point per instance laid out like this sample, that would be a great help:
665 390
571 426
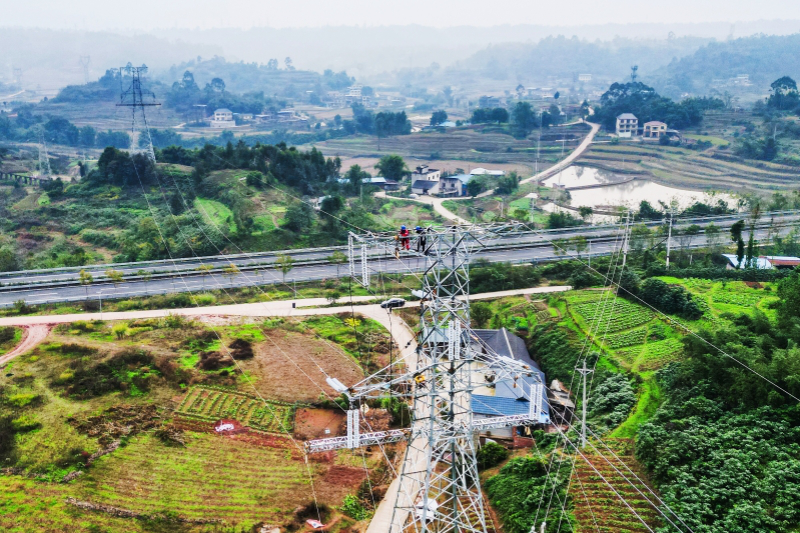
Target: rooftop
425 185
627 116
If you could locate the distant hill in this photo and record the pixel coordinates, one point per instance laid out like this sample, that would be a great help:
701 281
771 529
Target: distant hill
764 58
564 57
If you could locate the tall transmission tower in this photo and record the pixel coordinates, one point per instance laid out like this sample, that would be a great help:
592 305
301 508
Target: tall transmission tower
134 98
634 73
18 76
439 488
84 61
44 159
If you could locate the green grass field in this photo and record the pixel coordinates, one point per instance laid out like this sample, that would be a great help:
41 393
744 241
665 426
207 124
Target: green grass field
216 213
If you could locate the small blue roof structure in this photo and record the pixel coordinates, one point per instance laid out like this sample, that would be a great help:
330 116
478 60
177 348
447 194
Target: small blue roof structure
497 406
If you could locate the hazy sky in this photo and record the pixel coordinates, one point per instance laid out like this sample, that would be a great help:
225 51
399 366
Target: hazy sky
149 14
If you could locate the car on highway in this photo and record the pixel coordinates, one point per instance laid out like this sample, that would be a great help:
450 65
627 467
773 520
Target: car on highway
393 303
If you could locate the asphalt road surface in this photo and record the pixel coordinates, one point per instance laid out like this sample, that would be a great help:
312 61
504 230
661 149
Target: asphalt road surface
538 249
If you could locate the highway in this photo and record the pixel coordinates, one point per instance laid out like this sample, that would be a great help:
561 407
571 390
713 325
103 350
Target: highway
308 256
312 266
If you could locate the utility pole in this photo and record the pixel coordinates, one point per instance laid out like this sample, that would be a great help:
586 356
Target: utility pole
669 237
625 240
584 372
590 254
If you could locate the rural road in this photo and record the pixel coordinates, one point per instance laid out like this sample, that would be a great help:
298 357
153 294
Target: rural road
31 337
567 161
564 163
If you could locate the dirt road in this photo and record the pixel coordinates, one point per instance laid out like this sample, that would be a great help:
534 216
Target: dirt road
561 165
31 337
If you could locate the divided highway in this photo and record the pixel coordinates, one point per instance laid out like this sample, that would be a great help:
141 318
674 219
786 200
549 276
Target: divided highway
181 275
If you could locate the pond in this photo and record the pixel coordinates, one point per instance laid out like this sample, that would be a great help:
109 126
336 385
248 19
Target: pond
576 176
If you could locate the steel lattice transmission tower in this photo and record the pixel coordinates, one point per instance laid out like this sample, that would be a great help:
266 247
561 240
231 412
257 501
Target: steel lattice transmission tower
44 159
84 61
134 97
438 486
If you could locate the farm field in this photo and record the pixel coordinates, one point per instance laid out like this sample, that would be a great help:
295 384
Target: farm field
140 398
456 147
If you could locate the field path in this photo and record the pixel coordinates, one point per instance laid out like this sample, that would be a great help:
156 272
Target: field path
31 337
558 167
567 161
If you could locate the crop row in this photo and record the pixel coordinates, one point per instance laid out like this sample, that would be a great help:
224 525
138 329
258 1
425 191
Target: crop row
659 353
627 338
213 404
742 299
619 316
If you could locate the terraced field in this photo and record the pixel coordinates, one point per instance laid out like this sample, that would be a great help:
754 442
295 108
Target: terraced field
213 477
210 404
598 509
713 169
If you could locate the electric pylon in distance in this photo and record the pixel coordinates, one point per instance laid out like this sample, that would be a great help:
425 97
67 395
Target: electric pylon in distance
439 488
137 99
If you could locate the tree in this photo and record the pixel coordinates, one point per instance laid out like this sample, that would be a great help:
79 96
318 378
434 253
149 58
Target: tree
299 218
392 167
784 94
145 276
231 271
736 236
86 279
507 184
285 264
475 186
337 258
355 176
438 117
481 313
288 62
204 270
524 119
585 212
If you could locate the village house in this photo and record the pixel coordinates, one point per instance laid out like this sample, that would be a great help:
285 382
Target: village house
627 125
223 118
654 130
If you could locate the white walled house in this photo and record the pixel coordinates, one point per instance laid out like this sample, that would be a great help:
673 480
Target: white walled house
627 125
223 118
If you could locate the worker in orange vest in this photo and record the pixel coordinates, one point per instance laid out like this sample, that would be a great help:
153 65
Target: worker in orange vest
405 240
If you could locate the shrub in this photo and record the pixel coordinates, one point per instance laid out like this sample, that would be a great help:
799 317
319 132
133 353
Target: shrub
352 507
241 349
120 330
491 454
213 361
6 334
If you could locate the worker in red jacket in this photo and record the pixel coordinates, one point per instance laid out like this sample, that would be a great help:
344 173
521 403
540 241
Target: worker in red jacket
405 239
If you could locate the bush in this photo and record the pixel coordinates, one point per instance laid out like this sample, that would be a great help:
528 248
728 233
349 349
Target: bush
241 349
353 508
490 455
120 330
213 361
6 334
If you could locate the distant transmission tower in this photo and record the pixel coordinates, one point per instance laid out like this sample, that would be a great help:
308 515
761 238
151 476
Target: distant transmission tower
84 60
133 97
634 73
439 489
44 159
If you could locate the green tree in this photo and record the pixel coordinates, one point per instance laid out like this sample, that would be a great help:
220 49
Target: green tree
285 264
481 313
524 119
204 270
438 117
392 167
736 236
86 279
299 218
585 212
475 186
116 276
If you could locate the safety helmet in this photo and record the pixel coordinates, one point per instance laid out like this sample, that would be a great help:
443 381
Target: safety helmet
418 228
402 227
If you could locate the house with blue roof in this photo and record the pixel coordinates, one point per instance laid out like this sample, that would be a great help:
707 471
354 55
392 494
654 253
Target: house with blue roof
507 397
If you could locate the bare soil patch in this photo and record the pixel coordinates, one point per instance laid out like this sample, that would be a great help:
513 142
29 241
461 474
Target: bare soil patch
311 423
287 367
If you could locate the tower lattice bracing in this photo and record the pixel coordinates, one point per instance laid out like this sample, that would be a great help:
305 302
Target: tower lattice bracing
137 100
438 487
